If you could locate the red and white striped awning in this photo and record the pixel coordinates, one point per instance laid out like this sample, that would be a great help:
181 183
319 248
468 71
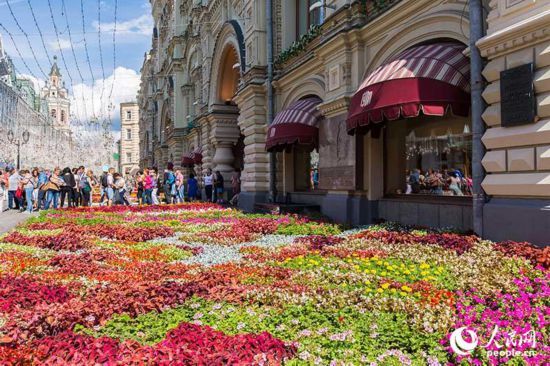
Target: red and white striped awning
197 155
187 159
430 79
297 124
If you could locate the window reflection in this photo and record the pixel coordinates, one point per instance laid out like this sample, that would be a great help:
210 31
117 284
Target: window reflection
429 156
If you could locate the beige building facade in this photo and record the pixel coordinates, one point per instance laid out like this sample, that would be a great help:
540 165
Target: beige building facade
351 135
129 138
517 160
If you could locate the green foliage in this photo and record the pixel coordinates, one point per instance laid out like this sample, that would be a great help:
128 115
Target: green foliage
347 334
308 228
299 45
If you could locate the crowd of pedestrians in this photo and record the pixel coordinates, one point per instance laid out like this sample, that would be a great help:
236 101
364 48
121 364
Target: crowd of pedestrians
29 190
40 189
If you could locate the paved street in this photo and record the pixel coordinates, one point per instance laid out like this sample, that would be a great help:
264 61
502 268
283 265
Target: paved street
10 219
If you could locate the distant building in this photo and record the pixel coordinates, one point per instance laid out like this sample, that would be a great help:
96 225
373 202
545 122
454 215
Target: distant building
23 86
56 97
129 137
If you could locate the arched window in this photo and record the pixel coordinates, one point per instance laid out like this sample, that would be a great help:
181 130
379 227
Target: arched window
53 113
62 116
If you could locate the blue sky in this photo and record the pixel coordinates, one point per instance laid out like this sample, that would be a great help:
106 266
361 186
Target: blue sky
133 39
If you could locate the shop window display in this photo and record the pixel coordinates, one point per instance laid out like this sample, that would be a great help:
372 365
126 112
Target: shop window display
428 156
306 169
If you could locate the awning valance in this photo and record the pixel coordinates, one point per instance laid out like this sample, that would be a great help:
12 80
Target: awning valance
297 124
430 79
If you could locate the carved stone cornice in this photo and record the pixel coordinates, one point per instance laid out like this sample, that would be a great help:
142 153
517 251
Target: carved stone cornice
335 107
520 35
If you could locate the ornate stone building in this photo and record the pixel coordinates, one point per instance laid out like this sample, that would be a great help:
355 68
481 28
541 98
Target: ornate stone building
129 137
371 103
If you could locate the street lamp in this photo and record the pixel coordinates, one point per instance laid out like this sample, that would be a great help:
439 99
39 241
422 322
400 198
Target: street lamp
18 142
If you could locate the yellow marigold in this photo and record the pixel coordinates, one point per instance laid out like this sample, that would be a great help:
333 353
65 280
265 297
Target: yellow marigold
385 285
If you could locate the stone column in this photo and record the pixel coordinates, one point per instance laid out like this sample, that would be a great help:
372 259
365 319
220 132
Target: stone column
252 122
225 134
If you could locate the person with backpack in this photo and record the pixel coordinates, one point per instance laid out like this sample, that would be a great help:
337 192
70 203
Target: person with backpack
103 185
169 183
84 186
67 188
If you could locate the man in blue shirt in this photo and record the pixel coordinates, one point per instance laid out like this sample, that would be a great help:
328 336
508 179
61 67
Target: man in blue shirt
43 176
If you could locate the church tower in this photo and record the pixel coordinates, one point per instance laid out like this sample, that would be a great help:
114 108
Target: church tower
56 97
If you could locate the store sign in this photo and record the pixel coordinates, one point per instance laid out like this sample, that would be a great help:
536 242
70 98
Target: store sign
517 96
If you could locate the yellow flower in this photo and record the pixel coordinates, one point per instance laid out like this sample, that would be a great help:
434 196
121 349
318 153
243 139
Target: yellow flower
373 271
383 273
379 290
424 266
402 293
406 288
368 289
385 285
367 282
393 290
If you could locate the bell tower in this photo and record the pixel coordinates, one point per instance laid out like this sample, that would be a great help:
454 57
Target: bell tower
56 96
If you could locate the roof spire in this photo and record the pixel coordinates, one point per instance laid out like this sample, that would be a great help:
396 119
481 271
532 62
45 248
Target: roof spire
55 68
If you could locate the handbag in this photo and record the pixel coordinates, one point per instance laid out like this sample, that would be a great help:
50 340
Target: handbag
19 192
50 186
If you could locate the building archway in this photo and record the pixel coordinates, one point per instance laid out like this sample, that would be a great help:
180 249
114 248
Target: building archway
227 67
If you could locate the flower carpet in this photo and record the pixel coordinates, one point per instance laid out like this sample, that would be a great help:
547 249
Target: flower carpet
200 284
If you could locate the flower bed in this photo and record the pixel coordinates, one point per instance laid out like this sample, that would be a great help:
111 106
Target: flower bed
202 284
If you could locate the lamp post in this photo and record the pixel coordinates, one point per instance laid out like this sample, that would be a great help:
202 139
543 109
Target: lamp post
18 142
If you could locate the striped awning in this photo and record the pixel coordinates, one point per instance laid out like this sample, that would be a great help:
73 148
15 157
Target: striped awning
187 159
430 79
197 155
297 124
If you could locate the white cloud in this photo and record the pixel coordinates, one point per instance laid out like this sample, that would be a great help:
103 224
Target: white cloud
64 44
38 83
126 85
2 3
142 25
